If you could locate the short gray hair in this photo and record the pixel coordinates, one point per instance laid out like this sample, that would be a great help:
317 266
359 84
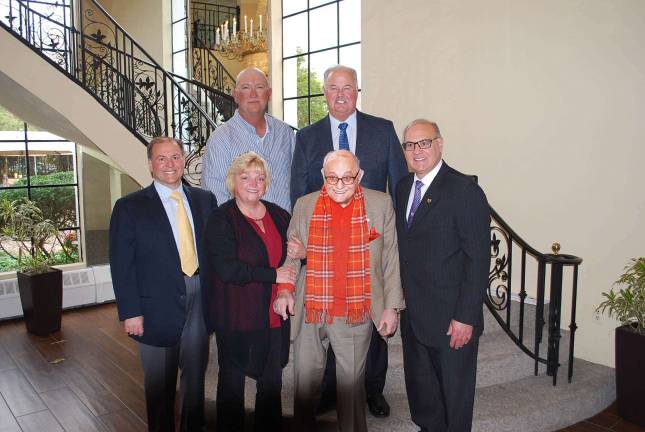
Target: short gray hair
161 139
336 154
421 121
339 67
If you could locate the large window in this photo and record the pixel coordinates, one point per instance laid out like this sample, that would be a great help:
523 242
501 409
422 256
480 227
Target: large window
316 34
40 167
179 38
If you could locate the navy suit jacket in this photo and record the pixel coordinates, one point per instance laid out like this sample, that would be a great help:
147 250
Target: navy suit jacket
377 148
145 264
445 255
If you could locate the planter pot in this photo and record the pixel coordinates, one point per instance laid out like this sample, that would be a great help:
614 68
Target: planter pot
630 379
41 296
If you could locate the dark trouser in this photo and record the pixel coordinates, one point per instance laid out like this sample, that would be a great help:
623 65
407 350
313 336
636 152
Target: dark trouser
440 382
160 365
375 368
230 391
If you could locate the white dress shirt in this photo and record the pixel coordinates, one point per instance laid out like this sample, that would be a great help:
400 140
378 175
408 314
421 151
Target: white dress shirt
171 206
427 181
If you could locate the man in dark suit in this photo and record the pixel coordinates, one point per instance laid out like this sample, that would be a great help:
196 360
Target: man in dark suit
374 141
443 227
155 237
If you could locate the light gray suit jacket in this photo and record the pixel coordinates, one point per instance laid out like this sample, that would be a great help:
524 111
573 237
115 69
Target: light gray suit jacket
385 279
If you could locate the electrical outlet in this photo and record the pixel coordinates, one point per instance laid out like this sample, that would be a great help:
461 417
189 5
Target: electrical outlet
596 317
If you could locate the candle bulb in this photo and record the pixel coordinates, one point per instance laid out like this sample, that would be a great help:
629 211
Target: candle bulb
234 27
251 34
217 40
245 29
260 24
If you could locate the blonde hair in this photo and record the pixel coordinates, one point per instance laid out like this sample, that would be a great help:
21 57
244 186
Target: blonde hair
245 161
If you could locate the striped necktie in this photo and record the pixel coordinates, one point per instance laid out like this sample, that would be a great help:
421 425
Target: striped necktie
343 141
415 201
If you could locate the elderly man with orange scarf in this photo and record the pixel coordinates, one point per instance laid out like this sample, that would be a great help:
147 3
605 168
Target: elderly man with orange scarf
347 235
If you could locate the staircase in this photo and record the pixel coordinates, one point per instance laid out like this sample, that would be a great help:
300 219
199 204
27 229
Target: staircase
84 43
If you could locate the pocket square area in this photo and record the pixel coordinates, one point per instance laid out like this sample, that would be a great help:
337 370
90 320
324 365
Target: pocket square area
374 234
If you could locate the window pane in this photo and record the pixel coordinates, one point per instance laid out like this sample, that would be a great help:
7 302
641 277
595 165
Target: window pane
318 108
178 9
179 63
351 56
58 203
291 112
293 6
294 32
324 23
314 3
294 71
179 36
350 21
13 164
319 63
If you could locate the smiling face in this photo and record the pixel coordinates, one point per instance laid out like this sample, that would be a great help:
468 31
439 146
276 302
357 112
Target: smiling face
252 93
422 161
166 163
342 166
341 94
249 185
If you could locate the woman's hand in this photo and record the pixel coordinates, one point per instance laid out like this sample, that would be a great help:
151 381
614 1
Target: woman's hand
285 274
284 303
295 249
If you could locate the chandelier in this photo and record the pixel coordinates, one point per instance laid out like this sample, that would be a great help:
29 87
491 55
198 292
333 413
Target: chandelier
234 44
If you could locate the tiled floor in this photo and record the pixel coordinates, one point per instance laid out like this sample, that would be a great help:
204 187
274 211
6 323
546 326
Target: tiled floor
606 421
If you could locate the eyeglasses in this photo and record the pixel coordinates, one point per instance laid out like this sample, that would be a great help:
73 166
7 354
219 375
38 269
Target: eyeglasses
347 180
422 144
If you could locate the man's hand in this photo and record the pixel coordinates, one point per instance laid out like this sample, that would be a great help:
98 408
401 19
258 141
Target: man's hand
134 326
388 323
295 248
285 274
459 333
284 303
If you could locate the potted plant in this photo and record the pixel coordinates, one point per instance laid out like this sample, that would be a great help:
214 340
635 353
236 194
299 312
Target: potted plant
24 236
626 302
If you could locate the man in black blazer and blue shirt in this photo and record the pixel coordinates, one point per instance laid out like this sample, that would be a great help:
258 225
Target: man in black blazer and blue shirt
155 239
443 227
373 140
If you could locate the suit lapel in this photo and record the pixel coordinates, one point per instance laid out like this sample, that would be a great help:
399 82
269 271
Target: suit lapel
362 136
431 197
324 135
159 218
403 193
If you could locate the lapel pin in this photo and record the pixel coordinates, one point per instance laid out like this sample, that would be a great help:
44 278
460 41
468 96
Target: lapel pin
429 200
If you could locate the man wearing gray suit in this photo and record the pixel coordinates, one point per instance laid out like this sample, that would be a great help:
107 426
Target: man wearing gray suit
351 284
373 140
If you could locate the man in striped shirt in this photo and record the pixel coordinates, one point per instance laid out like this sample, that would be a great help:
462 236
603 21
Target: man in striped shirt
250 128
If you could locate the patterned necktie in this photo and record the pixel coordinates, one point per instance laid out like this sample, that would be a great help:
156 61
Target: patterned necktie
415 201
187 253
343 141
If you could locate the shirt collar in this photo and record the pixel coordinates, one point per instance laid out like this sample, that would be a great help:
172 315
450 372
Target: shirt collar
427 179
164 191
351 121
248 126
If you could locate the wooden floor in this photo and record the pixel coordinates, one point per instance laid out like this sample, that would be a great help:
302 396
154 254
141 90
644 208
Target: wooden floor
88 377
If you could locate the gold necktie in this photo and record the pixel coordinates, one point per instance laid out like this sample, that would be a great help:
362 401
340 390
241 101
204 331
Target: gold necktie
187 253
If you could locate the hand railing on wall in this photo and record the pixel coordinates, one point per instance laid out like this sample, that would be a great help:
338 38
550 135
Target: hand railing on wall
89 46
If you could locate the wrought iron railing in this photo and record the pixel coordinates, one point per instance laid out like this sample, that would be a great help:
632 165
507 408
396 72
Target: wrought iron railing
500 292
208 70
89 46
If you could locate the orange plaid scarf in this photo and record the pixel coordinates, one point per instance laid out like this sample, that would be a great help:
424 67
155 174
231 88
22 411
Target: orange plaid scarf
319 296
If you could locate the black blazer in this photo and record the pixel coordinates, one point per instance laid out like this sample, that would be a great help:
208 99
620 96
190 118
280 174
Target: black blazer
445 256
377 148
145 265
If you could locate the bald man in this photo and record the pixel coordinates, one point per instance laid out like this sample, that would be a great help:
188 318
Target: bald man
250 129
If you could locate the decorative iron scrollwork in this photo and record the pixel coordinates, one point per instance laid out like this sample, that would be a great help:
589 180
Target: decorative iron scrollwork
498 292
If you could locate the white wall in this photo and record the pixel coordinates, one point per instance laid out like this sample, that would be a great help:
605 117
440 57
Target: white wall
544 101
